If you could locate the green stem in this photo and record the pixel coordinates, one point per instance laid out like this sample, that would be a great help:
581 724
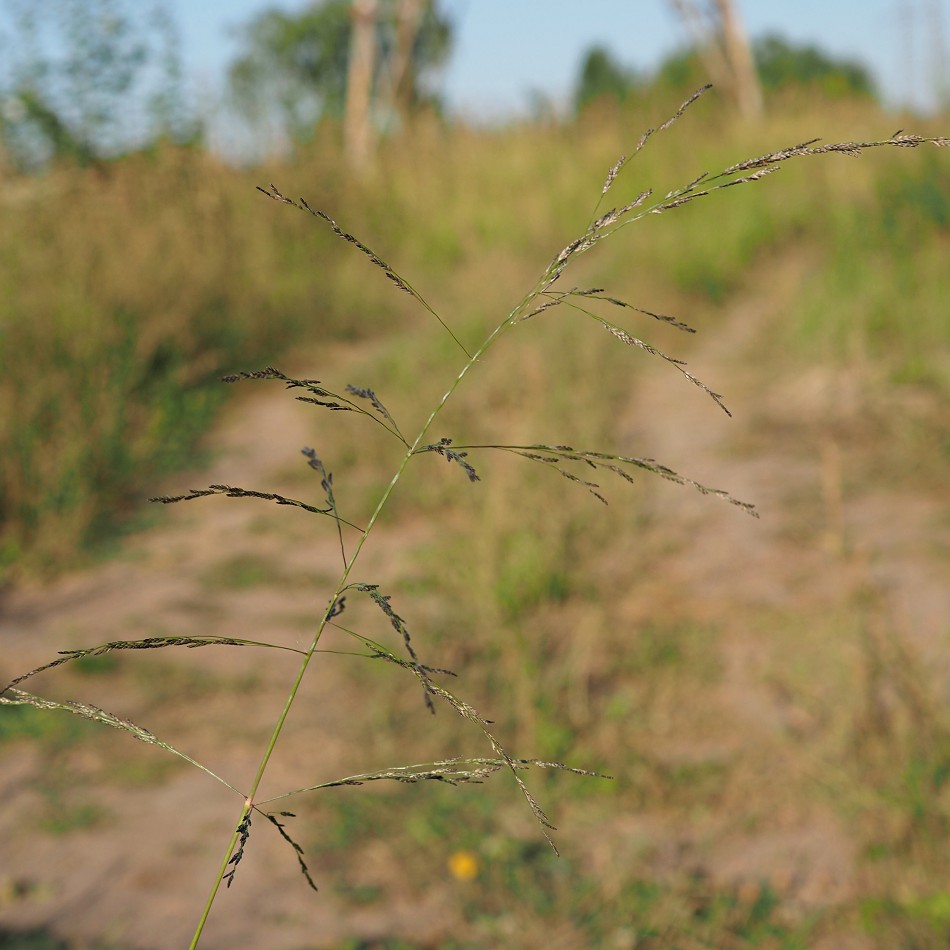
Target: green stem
222 870
341 586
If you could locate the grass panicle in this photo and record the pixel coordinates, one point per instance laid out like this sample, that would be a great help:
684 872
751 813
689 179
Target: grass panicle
443 448
390 272
455 771
555 456
231 491
320 396
298 850
604 225
244 833
11 696
147 643
326 483
399 625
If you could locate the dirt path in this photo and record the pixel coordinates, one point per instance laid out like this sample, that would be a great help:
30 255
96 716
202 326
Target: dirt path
824 542
136 874
215 566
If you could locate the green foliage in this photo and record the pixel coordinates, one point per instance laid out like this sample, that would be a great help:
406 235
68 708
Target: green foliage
889 313
642 910
917 922
241 571
113 336
529 572
86 79
30 940
136 416
55 732
782 64
33 126
295 64
679 70
42 939
602 77
913 199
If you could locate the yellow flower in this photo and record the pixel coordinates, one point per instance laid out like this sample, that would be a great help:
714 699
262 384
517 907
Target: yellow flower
463 865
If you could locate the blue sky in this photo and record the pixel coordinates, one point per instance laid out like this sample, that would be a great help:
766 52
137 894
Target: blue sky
505 49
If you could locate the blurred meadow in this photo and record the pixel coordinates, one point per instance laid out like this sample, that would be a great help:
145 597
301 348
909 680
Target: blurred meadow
770 696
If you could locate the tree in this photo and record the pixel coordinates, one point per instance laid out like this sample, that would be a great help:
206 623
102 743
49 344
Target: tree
721 42
85 79
782 64
296 64
601 76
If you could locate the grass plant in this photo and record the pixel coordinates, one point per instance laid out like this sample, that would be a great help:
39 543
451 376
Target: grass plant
529 576
133 325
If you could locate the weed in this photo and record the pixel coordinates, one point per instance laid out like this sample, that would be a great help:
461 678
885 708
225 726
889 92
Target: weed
372 618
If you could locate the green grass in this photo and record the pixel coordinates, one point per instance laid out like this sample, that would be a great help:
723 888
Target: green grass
30 940
526 580
876 302
41 939
520 892
170 270
56 732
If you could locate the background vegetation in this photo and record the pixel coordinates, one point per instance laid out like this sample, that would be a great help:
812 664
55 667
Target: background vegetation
128 287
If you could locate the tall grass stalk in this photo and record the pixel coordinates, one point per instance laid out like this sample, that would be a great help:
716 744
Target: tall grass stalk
579 466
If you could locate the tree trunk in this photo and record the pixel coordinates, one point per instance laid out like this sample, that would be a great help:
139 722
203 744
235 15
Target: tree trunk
722 43
748 90
409 15
357 125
